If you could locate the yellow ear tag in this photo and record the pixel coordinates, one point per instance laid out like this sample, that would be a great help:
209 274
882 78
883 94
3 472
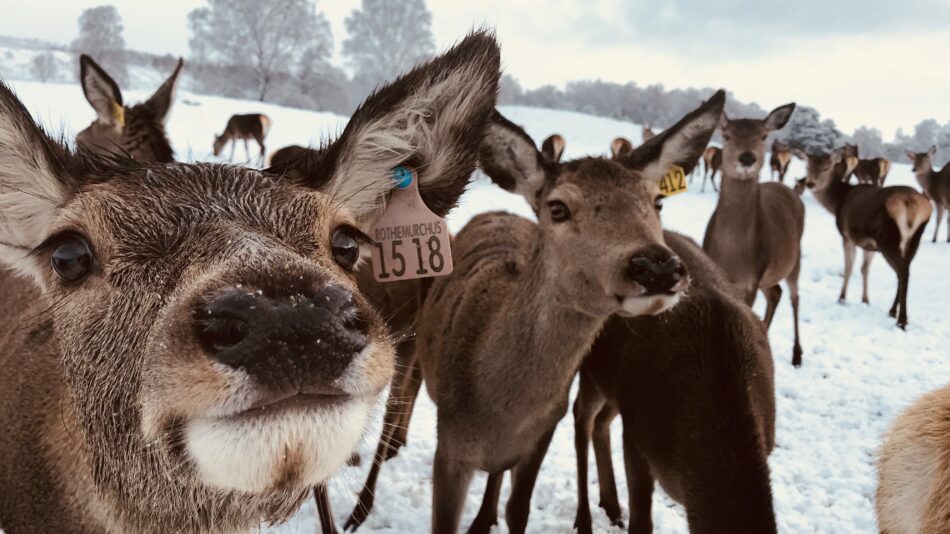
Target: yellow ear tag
118 114
673 182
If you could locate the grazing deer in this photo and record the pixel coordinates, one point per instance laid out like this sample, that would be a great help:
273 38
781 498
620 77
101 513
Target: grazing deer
756 231
935 184
712 161
867 171
620 147
502 337
252 126
781 156
914 471
889 219
194 354
695 390
135 131
647 133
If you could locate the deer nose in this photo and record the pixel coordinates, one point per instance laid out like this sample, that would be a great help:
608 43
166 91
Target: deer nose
286 343
656 270
747 158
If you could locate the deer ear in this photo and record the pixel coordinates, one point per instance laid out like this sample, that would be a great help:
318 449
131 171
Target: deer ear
431 119
932 151
911 156
509 157
779 117
681 144
553 147
161 102
620 148
102 92
800 154
34 183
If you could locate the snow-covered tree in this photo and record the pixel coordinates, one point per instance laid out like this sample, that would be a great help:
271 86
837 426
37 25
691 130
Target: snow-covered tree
387 37
806 130
869 141
509 90
44 67
100 36
269 38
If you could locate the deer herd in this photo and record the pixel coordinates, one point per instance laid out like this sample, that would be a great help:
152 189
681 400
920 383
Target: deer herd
199 347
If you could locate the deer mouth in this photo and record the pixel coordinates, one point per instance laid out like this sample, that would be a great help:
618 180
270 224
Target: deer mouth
319 398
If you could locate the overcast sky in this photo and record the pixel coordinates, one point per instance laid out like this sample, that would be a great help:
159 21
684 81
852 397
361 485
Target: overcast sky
874 62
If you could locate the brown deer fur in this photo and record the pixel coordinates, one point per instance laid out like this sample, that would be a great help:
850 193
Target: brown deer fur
694 387
935 184
889 219
913 491
123 415
867 171
756 231
501 338
781 156
251 126
712 161
135 131
620 148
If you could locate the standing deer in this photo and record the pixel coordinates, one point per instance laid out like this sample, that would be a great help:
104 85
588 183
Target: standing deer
647 133
935 184
781 156
502 337
135 131
889 219
253 126
712 161
194 354
695 390
756 231
868 171
913 471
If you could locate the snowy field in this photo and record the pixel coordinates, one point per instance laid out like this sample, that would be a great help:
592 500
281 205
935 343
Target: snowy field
859 369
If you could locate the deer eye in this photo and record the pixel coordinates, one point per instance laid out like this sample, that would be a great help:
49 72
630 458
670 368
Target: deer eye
72 258
345 247
727 137
658 203
764 137
559 211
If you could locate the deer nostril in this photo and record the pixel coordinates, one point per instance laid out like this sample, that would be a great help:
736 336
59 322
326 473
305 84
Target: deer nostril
656 276
747 158
217 333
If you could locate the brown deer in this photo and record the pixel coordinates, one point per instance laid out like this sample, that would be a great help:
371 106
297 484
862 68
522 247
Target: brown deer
914 471
935 184
756 231
620 147
868 171
252 126
647 133
886 219
135 131
781 156
501 338
695 389
194 354
712 162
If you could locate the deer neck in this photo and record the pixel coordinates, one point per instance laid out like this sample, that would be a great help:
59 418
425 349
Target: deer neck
925 177
833 195
738 208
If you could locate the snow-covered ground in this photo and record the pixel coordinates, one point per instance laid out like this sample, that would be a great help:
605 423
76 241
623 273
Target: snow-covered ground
859 369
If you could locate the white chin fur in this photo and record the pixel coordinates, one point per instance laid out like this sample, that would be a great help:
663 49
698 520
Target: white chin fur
249 453
650 304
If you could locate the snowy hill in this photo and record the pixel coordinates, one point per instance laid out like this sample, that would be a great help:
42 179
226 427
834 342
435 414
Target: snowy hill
859 369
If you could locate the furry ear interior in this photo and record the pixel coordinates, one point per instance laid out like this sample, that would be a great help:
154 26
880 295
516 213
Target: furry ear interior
34 182
620 148
553 147
779 117
102 92
161 101
432 119
681 144
509 157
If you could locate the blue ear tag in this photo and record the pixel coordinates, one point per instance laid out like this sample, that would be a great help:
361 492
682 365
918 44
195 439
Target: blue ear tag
402 176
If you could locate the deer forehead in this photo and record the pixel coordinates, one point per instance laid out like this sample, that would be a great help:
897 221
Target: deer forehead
597 179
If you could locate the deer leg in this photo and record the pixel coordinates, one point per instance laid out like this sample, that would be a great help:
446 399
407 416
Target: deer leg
488 513
772 296
605 466
391 425
896 263
865 270
712 180
849 249
233 144
523 477
324 511
792 282
640 487
260 143
409 392
705 174
586 405
247 151
937 219
903 276
450 481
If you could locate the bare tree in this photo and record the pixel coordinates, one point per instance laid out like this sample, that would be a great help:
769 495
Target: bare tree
44 67
386 37
270 38
100 36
